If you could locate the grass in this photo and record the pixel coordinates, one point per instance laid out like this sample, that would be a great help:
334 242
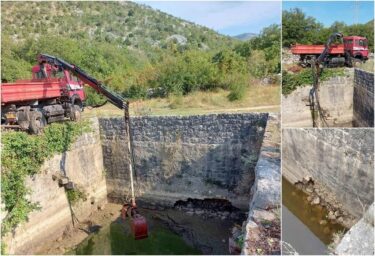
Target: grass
368 65
256 99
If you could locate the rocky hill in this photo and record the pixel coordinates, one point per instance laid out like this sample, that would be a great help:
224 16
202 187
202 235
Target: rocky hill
125 23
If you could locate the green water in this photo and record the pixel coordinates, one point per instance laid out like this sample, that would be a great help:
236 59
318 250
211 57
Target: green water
311 215
116 239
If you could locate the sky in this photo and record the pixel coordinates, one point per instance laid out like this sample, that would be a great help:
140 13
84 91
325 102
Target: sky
350 12
228 18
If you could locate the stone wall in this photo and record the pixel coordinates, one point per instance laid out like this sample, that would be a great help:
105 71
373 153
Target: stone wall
340 159
207 156
336 98
265 201
83 164
363 98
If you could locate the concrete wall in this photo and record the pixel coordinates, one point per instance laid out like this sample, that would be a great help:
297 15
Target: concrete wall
363 98
179 157
340 159
84 166
336 97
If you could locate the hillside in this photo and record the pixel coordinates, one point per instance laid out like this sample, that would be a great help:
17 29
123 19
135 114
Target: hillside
123 23
134 48
245 36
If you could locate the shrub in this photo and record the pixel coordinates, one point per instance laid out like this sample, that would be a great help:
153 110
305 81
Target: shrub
290 82
22 156
76 195
93 98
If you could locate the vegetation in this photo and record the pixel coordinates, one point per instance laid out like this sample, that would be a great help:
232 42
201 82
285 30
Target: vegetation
302 29
22 156
293 81
75 195
138 51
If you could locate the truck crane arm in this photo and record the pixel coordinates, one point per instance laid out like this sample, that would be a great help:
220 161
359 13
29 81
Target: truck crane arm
113 97
327 46
139 223
317 114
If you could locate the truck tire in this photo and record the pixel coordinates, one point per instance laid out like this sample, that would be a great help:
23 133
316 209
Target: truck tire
75 113
356 62
37 122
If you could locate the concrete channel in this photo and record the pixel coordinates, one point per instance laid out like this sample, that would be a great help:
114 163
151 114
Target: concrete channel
348 101
180 162
330 173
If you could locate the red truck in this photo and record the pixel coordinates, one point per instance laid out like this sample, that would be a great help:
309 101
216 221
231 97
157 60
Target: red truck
55 93
353 50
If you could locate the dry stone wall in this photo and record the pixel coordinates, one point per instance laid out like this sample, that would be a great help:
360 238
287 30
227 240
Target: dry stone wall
175 157
363 98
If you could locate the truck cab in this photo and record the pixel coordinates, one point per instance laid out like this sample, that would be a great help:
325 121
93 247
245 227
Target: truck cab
72 87
356 47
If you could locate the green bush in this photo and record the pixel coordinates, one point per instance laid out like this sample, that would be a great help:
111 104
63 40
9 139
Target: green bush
290 82
238 87
93 98
76 195
22 156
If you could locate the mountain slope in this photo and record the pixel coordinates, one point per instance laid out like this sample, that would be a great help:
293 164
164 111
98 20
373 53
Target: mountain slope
245 36
126 24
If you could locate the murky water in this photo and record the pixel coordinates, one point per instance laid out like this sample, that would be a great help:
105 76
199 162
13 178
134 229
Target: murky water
304 226
189 235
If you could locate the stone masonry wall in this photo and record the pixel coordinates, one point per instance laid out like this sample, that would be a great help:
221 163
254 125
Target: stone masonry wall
340 159
363 98
207 156
83 164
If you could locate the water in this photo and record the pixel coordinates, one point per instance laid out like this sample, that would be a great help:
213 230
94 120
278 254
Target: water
191 235
301 222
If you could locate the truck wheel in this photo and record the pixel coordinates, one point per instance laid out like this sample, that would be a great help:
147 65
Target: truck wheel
356 62
37 122
75 113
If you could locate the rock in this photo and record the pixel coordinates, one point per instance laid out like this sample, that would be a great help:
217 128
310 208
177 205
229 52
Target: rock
331 215
323 222
306 180
337 213
263 215
315 201
340 219
309 189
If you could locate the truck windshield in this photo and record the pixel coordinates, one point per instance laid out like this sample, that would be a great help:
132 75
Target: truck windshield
362 42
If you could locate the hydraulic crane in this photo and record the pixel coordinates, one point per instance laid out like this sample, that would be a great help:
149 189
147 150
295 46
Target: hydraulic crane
52 97
317 64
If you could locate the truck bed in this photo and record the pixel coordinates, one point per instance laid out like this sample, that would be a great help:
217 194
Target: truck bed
301 49
28 90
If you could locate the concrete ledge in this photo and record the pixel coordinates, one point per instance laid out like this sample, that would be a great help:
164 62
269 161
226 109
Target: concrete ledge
267 184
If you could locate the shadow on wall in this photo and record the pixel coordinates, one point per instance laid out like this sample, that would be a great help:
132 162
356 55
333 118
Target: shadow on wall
179 157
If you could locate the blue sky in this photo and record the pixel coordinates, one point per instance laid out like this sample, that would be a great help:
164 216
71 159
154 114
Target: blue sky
229 18
329 12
